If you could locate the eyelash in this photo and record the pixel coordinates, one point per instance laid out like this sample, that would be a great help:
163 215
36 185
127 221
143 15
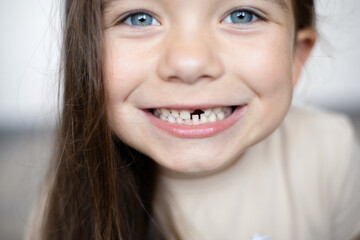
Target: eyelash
254 14
128 15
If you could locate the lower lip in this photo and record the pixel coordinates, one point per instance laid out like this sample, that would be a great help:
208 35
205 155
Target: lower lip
197 131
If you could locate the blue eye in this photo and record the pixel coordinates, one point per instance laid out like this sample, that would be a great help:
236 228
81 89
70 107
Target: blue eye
240 17
140 19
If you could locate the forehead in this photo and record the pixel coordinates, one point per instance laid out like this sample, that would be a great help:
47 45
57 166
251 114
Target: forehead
285 4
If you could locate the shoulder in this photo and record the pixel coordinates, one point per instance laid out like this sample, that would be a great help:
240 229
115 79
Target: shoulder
318 133
319 123
320 144
324 163
323 142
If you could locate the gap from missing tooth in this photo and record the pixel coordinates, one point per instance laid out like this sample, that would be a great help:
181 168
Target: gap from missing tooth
196 112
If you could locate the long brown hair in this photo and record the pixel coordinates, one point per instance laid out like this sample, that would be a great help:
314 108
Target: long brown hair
99 188
102 189
304 14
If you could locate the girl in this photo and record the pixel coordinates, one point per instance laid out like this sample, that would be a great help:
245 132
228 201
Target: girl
176 125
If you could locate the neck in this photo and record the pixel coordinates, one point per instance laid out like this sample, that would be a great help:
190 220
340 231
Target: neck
184 201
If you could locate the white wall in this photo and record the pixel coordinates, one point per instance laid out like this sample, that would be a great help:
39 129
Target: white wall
29 47
28 62
332 76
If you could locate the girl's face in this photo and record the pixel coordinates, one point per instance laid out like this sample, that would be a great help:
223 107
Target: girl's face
224 69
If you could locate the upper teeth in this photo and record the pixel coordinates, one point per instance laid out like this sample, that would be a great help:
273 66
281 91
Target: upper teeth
190 117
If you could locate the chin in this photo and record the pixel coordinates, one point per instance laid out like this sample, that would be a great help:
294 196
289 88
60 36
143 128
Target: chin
196 159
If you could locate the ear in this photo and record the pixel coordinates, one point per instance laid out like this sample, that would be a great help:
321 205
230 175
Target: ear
304 43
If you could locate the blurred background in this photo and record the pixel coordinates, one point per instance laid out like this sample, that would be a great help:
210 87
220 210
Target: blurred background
30 45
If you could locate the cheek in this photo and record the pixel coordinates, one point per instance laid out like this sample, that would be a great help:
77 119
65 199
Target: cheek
120 75
268 68
265 65
125 68
120 80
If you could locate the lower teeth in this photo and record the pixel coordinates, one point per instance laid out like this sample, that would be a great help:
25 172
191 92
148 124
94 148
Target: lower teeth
193 118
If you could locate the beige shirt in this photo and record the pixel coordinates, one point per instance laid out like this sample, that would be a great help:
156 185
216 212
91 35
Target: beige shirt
302 182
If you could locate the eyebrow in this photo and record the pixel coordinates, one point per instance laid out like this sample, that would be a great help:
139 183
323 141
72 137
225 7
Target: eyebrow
281 3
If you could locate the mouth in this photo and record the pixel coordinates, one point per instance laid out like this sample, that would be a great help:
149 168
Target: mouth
193 117
195 122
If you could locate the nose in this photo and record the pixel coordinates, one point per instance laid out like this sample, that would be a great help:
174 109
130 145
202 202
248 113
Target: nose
189 58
